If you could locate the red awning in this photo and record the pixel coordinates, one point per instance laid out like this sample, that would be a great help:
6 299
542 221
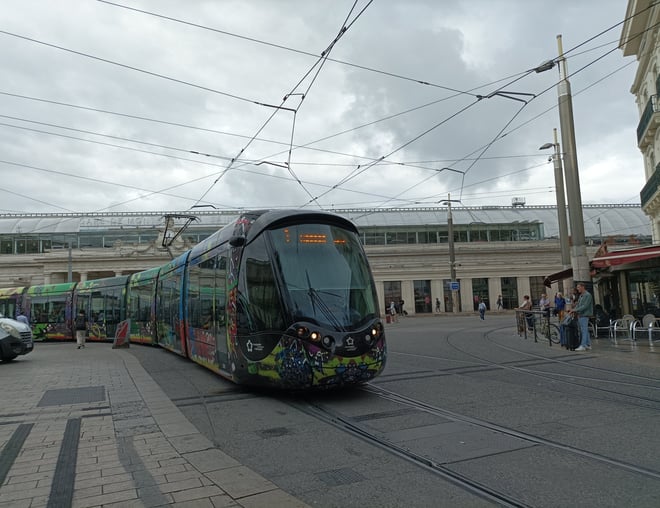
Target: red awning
626 256
564 274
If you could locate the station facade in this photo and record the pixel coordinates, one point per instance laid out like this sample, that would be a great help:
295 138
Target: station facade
507 251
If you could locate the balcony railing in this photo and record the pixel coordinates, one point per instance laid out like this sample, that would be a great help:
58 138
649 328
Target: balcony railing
647 115
651 187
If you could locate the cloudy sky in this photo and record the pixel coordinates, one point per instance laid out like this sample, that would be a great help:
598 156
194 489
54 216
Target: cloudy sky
171 104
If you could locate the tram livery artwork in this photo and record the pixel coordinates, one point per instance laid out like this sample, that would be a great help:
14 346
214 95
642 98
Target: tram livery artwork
277 298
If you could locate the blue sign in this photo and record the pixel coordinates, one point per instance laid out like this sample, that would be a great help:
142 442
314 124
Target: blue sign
454 285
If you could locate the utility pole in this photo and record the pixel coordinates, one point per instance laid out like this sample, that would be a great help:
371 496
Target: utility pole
452 255
578 249
69 277
561 201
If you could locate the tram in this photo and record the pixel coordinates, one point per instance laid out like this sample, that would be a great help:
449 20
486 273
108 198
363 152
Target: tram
280 298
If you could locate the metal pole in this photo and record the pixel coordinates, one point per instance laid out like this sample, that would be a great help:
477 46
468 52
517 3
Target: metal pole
579 260
70 265
452 255
561 206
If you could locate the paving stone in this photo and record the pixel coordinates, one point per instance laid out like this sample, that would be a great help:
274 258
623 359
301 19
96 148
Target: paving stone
134 446
210 460
240 481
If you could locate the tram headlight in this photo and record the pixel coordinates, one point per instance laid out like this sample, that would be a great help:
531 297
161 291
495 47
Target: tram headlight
315 336
302 332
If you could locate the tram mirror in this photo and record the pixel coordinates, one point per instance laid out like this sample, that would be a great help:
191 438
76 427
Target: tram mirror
237 241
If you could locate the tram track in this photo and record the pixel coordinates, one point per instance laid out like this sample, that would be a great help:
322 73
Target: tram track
578 379
413 403
352 425
353 428
571 379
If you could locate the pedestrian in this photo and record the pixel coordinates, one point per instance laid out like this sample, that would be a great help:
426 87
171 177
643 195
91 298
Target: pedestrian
22 318
437 304
560 306
544 305
584 309
81 328
392 310
401 309
499 303
526 305
482 310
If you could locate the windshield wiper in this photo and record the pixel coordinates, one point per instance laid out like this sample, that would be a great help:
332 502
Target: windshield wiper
323 307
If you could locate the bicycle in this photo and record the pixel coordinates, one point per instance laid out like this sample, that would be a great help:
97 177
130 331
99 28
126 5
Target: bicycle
548 329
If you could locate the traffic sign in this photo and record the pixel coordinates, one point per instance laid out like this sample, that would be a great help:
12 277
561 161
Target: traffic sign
454 285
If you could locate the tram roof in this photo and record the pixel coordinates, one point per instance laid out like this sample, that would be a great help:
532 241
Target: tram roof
621 219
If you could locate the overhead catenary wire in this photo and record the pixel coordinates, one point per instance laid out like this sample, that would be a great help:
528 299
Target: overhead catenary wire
286 48
240 160
319 62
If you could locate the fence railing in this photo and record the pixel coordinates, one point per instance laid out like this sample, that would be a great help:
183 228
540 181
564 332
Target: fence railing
536 324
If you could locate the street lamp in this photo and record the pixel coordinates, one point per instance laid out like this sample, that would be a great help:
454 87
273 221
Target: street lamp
561 201
452 254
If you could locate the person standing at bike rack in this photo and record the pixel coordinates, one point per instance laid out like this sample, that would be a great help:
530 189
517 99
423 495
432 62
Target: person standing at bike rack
584 309
526 305
544 305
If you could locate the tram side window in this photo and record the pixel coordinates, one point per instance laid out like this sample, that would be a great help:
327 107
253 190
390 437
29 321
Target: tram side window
200 294
8 308
261 298
141 303
48 311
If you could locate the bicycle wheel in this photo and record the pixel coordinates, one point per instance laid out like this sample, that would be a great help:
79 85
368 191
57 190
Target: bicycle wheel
553 334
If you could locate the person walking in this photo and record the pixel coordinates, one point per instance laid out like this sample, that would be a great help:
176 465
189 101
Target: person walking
560 306
22 318
437 305
392 311
584 309
81 328
482 310
499 303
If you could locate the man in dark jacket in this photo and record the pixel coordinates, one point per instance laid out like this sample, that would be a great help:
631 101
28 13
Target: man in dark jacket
81 328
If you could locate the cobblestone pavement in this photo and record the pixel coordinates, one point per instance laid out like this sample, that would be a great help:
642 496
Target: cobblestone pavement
90 428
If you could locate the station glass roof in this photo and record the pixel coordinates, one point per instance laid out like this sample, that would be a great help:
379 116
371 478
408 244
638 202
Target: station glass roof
614 219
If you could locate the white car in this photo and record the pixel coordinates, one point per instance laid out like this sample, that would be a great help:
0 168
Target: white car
15 339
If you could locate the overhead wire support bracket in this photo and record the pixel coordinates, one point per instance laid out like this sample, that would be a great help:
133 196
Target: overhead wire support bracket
507 95
284 165
274 106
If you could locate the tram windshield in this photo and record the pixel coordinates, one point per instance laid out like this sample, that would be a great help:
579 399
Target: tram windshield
325 274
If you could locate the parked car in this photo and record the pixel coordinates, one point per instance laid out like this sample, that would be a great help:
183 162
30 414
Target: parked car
15 339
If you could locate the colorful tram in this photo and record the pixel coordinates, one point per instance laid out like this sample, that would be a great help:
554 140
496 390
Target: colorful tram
277 298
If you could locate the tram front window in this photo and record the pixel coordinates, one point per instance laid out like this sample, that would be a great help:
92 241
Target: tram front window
325 274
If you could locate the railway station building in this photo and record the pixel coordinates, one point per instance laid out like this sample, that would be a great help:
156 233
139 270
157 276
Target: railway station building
499 250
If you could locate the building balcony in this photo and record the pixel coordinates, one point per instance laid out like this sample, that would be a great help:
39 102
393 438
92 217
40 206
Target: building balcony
649 122
649 192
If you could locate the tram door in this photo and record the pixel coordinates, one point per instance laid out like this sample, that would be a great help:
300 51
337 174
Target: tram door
206 299
220 310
